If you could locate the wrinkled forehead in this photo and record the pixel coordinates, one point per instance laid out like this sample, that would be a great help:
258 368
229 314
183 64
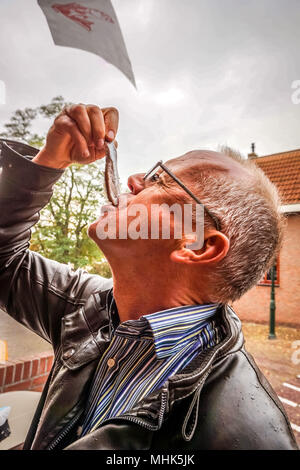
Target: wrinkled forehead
196 160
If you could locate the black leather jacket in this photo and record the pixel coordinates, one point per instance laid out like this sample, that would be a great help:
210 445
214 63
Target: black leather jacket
219 401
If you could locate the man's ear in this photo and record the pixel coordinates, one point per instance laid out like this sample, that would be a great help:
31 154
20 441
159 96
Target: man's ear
215 248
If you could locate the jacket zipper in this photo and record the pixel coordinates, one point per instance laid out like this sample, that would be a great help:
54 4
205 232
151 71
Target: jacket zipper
64 431
140 421
162 410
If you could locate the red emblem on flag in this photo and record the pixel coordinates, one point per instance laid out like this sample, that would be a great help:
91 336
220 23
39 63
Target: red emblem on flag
81 14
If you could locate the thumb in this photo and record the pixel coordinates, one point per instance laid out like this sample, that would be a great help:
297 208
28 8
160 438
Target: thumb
111 120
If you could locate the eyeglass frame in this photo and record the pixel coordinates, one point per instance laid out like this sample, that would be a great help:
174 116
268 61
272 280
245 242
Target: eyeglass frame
169 172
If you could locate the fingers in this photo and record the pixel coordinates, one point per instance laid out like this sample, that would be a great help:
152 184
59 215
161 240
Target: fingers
97 126
89 127
79 114
65 125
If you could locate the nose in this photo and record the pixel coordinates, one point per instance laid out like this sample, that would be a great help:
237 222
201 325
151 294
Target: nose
136 183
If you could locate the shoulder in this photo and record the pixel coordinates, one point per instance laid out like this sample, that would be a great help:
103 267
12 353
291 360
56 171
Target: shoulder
240 410
76 286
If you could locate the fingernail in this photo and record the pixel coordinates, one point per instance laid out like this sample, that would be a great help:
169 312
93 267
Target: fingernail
86 154
111 135
100 143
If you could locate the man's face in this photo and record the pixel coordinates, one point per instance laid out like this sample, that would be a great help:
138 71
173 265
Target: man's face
136 209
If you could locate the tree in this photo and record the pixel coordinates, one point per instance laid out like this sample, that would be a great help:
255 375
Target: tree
21 121
61 233
19 125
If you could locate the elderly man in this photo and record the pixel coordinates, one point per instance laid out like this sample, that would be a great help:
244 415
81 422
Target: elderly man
153 359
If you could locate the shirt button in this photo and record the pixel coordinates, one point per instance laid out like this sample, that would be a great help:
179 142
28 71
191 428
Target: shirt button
111 362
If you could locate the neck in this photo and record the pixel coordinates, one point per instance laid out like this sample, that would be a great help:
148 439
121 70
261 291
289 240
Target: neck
140 293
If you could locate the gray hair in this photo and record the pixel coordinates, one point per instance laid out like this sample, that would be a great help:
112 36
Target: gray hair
251 219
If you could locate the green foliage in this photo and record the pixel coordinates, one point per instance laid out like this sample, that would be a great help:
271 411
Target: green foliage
61 233
52 109
20 124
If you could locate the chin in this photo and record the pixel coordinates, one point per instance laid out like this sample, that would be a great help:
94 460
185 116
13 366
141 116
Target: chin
91 231
106 244
92 228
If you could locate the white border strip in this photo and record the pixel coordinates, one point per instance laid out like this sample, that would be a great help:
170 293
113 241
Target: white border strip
2 92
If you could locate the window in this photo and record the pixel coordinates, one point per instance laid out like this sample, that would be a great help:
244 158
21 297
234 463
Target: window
266 280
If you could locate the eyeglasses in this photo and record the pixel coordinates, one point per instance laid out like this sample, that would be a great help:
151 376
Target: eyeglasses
163 166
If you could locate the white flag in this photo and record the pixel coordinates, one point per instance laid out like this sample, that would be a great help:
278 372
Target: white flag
91 25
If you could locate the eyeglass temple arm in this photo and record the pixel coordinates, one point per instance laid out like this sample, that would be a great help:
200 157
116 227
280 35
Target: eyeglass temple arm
160 163
192 195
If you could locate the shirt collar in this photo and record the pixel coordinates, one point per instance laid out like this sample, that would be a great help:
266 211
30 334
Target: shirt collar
170 329
176 327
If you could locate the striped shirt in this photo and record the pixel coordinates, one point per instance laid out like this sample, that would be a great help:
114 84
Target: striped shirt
144 353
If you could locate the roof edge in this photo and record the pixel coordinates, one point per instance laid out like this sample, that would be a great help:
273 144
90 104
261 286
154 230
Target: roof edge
278 153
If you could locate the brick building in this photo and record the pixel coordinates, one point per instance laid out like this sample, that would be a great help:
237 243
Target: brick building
283 169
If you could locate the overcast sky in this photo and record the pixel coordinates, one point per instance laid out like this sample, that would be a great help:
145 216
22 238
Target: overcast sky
208 72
